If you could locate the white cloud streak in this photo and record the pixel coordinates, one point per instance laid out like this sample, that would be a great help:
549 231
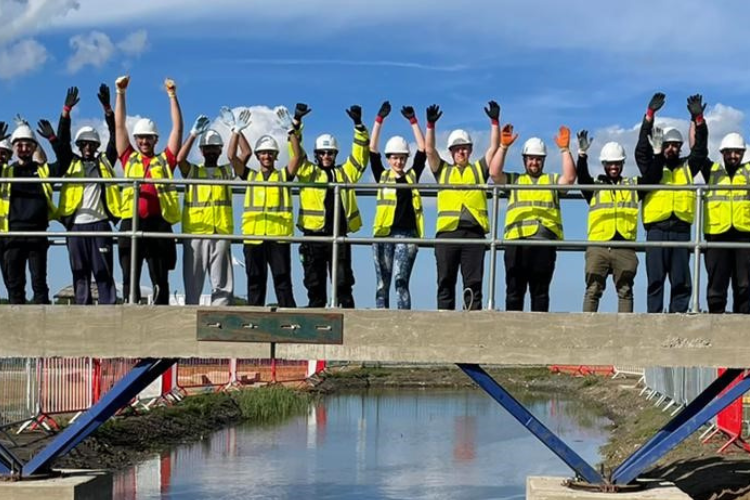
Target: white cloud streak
21 58
94 49
134 44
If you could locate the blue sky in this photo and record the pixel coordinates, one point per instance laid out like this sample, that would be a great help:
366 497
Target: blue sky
546 63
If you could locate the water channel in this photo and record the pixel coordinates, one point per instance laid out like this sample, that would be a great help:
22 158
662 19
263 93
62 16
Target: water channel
405 444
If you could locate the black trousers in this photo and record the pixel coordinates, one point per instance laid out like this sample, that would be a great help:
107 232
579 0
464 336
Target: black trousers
470 259
159 253
317 259
724 265
532 268
258 258
3 266
18 252
92 255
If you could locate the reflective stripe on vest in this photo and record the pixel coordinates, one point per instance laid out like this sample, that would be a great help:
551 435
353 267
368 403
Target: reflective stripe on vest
312 214
169 203
5 193
451 201
659 205
268 209
71 195
614 211
724 208
387 198
207 209
529 209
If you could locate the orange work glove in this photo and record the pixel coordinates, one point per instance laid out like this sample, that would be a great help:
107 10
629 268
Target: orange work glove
563 138
507 137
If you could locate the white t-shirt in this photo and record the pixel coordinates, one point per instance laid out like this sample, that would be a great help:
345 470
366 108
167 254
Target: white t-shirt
92 207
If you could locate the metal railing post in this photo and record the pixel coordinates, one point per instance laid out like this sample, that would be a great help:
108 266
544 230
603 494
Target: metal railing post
335 245
493 248
133 282
695 308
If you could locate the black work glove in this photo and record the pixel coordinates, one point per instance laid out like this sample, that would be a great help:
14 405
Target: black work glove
355 113
300 110
385 110
493 111
408 113
104 97
696 107
45 130
655 104
3 131
433 113
71 98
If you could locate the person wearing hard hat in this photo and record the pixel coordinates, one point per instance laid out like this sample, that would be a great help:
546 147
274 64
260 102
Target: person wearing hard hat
6 153
398 212
88 207
268 211
316 212
532 215
613 217
667 215
207 210
726 219
462 214
158 204
27 207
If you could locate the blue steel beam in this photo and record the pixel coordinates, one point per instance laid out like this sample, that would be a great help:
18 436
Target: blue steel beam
145 372
628 473
9 463
703 399
537 428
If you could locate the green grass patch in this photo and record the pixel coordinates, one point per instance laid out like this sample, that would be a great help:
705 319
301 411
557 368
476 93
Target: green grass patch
271 404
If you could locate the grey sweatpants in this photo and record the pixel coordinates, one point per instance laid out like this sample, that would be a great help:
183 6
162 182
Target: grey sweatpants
201 255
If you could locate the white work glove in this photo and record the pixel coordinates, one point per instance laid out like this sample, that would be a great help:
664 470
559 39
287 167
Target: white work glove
227 117
20 121
584 142
656 139
285 119
200 126
243 121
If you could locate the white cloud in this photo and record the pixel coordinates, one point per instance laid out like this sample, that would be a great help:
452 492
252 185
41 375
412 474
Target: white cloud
22 18
94 49
134 44
20 58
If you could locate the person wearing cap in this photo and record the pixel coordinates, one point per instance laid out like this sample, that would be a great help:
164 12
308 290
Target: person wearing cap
267 212
532 214
158 204
398 212
461 214
316 212
613 217
88 207
667 214
207 210
726 218
6 153
27 207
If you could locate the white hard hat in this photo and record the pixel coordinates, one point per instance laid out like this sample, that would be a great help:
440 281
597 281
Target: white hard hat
211 138
534 147
612 152
459 137
733 140
326 141
88 134
5 144
397 145
23 132
671 134
267 143
144 126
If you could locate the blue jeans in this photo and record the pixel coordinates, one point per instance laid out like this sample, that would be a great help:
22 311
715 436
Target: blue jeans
672 262
398 257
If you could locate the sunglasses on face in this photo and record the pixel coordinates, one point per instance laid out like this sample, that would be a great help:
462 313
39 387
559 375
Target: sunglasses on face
327 152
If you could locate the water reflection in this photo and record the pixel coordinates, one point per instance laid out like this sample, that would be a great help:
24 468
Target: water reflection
374 445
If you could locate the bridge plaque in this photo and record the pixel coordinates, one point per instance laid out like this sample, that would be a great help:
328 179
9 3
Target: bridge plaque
275 327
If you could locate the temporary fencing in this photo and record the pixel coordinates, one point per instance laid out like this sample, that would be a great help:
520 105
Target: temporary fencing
18 391
676 386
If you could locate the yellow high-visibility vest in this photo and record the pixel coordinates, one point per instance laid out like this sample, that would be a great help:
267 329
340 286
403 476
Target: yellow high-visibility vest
71 195
207 209
451 201
528 209
5 188
612 212
659 205
169 202
268 209
725 209
385 209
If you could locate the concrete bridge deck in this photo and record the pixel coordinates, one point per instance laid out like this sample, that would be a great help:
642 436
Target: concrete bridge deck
482 337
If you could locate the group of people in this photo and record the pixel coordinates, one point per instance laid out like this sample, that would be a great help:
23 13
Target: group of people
206 213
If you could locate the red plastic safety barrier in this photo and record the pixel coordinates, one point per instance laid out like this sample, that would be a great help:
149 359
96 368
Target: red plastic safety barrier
729 421
64 387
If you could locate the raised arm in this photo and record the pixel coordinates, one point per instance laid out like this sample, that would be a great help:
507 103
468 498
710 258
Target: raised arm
63 151
357 162
109 117
433 157
63 125
408 113
237 165
562 139
497 163
199 127
582 166
122 140
295 149
643 149
175 136
383 112
493 112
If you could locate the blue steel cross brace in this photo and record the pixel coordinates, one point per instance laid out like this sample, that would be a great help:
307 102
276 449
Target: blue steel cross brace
145 372
537 428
